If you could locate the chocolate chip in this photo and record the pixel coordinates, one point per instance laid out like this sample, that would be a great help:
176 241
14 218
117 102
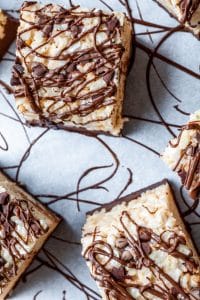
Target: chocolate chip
174 291
42 19
118 273
126 255
195 292
75 30
112 24
4 198
190 266
61 77
47 30
108 77
144 234
183 175
19 68
35 227
146 248
50 74
68 99
71 67
121 243
14 81
39 70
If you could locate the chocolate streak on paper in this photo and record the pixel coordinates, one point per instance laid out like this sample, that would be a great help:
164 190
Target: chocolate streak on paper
3 143
190 178
6 87
181 111
163 59
54 263
66 76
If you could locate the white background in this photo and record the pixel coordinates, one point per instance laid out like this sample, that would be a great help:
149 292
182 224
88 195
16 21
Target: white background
58 158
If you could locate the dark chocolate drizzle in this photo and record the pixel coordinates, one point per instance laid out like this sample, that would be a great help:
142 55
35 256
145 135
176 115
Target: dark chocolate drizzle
103 58
11 239
134 252
188 8
71 196
190 174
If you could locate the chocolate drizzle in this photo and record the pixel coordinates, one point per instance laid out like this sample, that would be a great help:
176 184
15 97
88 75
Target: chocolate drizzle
134 245
188 8
100 61
71 196
188 165
14 244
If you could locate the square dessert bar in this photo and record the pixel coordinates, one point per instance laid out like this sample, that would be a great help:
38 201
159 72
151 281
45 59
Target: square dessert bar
138 248
71 67
24 227
182 155
186 12
8 31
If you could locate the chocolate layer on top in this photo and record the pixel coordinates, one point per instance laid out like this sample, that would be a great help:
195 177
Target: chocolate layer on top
8 31
71 66
138 248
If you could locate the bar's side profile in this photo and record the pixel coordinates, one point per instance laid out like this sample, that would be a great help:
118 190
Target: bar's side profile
137 247
182 155
25 226
71 67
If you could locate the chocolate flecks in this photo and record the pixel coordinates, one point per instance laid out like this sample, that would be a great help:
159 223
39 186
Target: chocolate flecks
68 99
39 70
146 248
121 243
183 175
20 43
112 24
188 163
19 68
118 273
136 255
2 262
76 30
10 209
144 234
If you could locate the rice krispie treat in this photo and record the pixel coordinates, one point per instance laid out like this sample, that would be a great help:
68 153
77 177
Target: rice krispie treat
24 227
137 248
183 155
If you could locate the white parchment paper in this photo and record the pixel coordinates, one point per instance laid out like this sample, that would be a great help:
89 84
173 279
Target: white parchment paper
55 161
